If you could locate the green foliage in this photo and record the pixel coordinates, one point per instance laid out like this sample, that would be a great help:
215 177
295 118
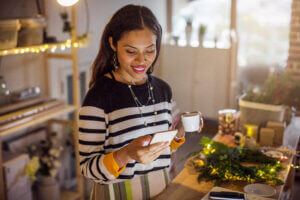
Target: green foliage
278 89
223 164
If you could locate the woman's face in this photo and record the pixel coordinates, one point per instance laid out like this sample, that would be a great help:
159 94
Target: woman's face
136 52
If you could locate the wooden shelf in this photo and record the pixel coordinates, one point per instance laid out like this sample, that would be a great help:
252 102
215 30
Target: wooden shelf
69 195
48 52
50 114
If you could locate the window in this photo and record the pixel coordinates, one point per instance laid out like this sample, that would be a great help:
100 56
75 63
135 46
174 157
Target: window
214 14
263 29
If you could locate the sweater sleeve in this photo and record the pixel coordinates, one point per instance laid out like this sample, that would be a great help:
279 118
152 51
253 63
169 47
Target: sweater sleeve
94 163
175 117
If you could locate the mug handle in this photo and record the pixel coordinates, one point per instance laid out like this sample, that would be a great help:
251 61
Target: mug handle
201 119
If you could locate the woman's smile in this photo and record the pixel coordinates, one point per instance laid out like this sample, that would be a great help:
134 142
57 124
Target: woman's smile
139 69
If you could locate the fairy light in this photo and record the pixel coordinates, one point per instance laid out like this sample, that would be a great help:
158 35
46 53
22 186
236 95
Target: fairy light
40 48
295 166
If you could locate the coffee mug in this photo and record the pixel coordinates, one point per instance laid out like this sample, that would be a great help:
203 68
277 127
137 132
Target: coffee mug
192 121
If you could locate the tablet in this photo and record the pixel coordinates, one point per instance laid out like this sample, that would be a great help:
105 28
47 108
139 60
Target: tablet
164 136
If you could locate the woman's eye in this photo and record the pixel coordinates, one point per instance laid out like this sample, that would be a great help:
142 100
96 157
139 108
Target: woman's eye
130 52
150 52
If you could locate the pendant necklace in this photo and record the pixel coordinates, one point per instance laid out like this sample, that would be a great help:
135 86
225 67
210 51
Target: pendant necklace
138 103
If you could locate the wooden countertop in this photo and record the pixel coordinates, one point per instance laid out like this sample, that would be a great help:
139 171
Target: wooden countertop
186 187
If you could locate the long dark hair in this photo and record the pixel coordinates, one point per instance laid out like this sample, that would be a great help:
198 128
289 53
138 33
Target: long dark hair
128 18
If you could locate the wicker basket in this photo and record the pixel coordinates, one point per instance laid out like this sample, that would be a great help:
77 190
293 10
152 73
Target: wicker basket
259 113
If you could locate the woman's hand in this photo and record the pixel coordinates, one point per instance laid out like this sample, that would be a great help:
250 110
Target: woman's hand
181 132
136 150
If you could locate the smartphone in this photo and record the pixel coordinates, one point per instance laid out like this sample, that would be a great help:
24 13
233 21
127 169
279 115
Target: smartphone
164 136
226 196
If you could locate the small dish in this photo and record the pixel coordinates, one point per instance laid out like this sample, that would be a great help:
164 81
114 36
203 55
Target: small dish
259 189
274 154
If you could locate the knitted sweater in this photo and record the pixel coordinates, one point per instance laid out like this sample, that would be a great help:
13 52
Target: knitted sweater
109 119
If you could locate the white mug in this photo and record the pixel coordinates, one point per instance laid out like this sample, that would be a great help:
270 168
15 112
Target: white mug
192 121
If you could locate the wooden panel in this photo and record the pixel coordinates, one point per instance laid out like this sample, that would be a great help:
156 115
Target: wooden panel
176 67
210 81
197 76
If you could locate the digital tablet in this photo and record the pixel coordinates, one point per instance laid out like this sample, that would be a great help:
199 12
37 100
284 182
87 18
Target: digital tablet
164 136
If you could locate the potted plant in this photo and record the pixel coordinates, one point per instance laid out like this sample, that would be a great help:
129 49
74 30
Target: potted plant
201 33
188 30
277 93
43 167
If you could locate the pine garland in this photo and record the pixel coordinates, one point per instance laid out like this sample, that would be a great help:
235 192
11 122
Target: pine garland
220 163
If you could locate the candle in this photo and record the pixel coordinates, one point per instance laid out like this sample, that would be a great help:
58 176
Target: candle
251 130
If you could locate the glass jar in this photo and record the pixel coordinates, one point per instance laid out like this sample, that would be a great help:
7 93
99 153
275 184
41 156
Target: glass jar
227 121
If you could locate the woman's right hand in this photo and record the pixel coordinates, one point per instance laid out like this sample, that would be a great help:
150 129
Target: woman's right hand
136 150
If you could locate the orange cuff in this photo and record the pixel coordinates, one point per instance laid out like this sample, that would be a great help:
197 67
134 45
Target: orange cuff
111 165
175 144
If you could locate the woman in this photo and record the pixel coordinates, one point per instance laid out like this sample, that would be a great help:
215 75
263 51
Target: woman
124 106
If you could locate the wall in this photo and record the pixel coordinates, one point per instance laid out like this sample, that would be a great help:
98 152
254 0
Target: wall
293 63
198 77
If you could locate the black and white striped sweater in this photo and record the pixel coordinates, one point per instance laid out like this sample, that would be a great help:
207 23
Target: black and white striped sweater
109 120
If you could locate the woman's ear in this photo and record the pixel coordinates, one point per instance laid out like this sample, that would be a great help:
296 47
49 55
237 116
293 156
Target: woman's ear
110 39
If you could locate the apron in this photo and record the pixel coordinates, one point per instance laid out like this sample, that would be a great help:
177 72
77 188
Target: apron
141 187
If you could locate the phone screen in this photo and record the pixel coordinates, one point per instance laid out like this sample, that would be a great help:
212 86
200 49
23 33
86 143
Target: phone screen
165 136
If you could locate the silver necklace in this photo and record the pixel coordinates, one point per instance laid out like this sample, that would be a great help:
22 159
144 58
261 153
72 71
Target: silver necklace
140 106
138 103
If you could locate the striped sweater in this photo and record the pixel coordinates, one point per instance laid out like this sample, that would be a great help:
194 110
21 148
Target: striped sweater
110 120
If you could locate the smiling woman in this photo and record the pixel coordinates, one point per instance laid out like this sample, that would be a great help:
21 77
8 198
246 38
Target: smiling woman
136 52
123 108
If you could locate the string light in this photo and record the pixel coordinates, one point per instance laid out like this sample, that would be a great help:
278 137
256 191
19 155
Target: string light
295 166
42 48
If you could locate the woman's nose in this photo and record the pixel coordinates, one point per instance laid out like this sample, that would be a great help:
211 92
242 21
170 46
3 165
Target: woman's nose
140 58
